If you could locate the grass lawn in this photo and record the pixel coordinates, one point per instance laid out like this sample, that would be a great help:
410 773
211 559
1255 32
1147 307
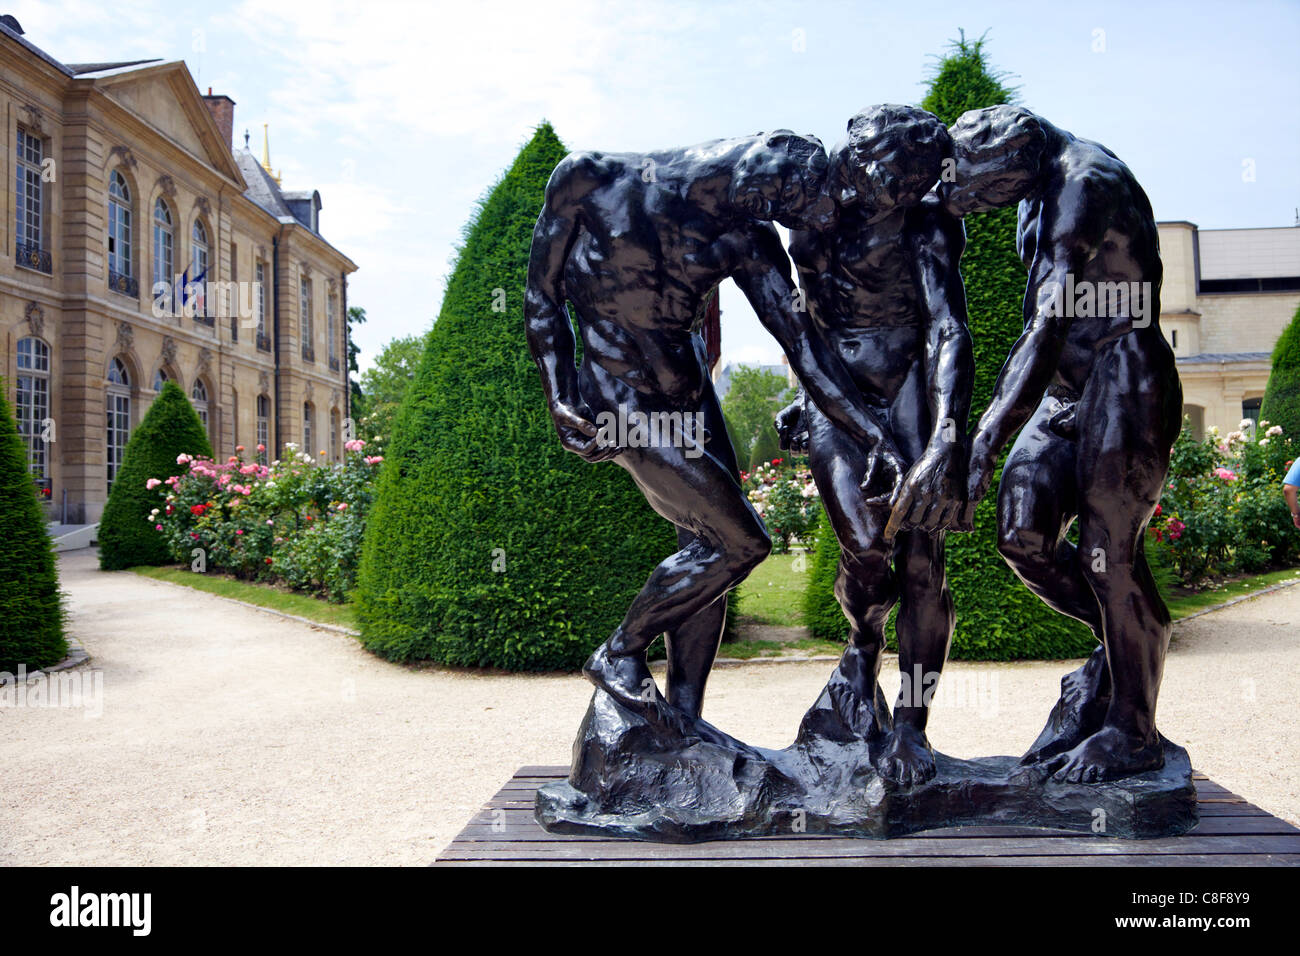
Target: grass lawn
1183 602
263 595
773 593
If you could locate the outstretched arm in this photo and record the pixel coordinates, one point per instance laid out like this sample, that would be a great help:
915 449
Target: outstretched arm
764 276
936 485
548 327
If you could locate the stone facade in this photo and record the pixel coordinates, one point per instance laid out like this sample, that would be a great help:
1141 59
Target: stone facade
1226 297
84 331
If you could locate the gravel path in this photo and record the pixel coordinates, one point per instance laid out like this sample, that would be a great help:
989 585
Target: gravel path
230 736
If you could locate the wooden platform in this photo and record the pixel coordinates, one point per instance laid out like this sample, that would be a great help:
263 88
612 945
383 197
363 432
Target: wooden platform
1232 832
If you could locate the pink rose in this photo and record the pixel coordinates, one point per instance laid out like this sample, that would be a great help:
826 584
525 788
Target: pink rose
152 483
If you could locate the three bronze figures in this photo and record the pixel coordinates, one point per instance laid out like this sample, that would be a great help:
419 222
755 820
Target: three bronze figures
873 320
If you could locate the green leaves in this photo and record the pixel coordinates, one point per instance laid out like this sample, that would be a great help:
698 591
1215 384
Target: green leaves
169 429
488 544
31 611
1282 396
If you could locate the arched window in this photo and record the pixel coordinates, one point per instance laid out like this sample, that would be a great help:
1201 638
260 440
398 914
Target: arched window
263 427
160 378
163 244
199 394
34 407
119 231
334 434
308 421
118 404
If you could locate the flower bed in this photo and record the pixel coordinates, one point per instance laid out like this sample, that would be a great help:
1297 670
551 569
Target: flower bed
296 521
1222 510
784 494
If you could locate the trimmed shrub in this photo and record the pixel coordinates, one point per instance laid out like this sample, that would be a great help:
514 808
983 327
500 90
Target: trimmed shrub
31 608
998 618
170 429
1282 395
489 544
821 612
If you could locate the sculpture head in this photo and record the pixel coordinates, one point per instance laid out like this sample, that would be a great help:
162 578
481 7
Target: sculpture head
999 153
893 156
782 178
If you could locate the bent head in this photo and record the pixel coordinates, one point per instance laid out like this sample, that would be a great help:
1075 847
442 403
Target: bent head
999 153
782 178
893 156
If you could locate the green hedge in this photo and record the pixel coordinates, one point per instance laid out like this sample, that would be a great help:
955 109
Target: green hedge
998 618
31 608
170 428
1282 396
821 612
475 480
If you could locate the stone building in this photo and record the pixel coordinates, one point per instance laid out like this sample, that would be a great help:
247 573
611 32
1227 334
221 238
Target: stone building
138 246
1226 297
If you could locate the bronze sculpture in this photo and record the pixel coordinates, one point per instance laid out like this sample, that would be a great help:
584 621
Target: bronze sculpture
1094 384
635 241
884 288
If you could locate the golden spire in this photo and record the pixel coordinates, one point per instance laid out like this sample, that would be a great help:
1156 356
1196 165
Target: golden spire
266 154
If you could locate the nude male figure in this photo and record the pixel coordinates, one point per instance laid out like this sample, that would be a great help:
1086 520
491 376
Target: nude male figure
635 242
884 289
1093 383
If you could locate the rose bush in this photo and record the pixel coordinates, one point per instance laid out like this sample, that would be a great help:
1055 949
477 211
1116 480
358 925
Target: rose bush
784 494
296 521
1222 510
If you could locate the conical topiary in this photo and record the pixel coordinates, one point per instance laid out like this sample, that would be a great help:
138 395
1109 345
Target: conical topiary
489 544
1281 404
998 618
170 428
31 609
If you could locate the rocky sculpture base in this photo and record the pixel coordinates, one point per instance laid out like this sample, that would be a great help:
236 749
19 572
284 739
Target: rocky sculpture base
661 777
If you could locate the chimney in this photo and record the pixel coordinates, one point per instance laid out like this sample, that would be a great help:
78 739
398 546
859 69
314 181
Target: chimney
222 108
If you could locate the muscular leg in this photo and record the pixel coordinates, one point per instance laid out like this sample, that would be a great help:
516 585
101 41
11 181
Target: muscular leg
727 541
1037 500
924 626
1128 418
865 585
925 613
693 646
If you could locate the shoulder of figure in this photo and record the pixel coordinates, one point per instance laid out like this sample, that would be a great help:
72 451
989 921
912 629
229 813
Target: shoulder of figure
579 173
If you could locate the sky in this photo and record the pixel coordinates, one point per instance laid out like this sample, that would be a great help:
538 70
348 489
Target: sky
404 114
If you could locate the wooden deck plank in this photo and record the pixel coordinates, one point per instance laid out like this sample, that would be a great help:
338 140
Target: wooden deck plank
1232 832
911 847
1188 860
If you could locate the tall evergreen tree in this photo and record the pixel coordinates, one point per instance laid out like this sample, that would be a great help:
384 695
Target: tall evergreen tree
31 609
489 544
998 618
170 428
1282 396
